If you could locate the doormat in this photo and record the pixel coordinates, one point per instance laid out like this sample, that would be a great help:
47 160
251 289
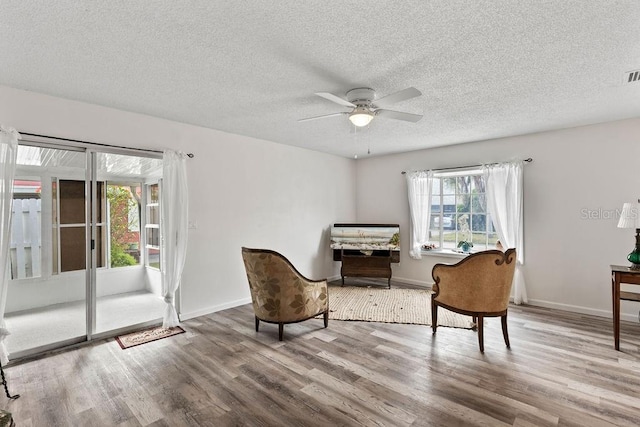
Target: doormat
142 337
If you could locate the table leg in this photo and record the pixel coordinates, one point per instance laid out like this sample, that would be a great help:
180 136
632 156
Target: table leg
615 288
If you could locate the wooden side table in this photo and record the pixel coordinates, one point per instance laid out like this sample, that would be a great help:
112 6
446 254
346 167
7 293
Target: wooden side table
622 274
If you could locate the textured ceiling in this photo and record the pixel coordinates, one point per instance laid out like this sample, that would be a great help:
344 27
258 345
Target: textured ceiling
486 69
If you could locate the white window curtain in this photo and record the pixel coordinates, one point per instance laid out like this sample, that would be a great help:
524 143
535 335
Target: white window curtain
504 189
8 154
419 190
174 224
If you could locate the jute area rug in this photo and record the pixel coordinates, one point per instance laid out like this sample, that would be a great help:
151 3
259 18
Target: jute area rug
142 337
395 305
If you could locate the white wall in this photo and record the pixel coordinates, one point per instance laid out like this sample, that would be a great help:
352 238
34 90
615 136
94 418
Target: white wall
567 257
242 191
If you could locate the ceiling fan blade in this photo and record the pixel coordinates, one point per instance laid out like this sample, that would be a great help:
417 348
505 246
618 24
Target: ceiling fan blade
403 95
322 117
398 115
336 99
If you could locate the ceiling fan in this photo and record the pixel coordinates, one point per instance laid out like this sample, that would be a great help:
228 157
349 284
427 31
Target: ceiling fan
364 105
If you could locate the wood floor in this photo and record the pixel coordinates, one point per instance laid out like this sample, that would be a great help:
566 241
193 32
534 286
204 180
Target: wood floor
562 370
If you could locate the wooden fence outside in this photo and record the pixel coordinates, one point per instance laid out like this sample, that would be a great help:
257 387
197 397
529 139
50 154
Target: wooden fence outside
26 239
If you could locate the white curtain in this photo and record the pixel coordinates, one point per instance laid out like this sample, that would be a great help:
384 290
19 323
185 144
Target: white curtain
419 190
505 206
174 223
8 153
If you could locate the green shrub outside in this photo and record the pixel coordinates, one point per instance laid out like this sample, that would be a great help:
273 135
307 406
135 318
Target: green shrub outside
119 258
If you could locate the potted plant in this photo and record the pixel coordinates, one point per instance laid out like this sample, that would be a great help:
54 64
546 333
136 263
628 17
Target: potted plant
465 245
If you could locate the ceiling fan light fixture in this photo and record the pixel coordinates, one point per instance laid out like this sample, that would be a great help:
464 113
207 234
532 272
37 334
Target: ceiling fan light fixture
360 117
365 105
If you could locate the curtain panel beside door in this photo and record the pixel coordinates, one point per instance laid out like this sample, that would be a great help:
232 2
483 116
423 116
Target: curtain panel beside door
174 220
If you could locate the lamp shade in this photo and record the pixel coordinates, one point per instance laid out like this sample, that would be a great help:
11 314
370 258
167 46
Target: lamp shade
360 117
630 216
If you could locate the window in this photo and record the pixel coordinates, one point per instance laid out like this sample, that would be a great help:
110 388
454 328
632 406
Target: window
459 211
68 222
152 226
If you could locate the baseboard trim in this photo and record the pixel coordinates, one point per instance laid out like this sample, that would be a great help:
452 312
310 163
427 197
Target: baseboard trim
215 308
420 283
394 280
582 310
535 302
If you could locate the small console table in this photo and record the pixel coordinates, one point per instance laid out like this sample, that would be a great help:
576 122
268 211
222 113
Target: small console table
621 274
377 264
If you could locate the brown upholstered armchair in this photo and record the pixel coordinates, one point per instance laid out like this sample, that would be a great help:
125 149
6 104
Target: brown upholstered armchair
478 286
280 294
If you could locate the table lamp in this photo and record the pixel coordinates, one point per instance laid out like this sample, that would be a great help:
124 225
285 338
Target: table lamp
630 218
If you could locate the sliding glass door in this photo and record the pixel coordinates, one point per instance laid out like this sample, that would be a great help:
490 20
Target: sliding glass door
81 265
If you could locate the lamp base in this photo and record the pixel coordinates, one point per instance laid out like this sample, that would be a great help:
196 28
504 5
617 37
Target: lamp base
634 259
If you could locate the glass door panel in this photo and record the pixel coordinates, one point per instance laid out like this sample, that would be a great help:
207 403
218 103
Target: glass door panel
127 290
47 294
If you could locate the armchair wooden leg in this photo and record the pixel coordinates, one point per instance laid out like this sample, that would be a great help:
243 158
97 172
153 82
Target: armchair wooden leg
280 331
434 316
505 333
257 323
480 333
326 318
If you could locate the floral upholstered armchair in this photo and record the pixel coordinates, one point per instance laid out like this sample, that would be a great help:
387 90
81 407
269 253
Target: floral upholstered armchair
478 286
280 294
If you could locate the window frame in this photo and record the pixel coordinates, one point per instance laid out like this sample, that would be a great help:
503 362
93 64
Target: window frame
148 225
58 225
